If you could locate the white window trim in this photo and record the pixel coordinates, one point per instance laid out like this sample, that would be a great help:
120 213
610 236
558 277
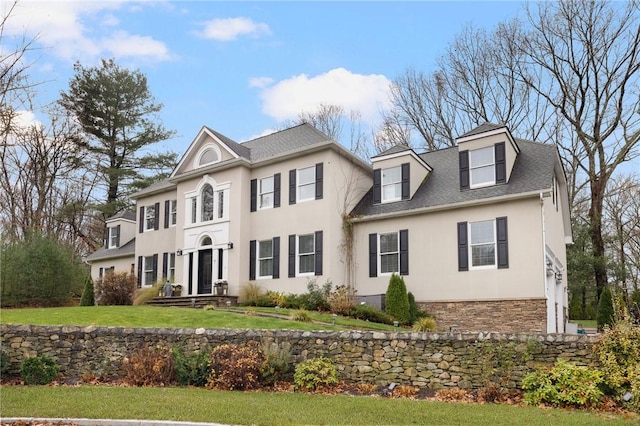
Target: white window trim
145 269
299 185
298 254
173 212
472 167
196 194
203 150
380 254
383 184
110 243
146 218
171 268
495 247
261 193
258 259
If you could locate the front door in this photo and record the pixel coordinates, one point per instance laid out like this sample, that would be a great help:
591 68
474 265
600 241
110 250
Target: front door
205 271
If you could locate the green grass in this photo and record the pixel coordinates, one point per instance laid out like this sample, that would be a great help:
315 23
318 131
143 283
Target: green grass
586 323
152 316
270 408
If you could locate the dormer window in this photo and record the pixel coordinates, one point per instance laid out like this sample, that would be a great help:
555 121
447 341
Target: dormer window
391 184
482 167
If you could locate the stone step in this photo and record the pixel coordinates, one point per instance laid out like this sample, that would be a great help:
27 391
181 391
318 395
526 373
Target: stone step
194 301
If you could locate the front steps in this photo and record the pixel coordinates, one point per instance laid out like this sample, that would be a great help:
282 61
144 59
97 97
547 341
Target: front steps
194 301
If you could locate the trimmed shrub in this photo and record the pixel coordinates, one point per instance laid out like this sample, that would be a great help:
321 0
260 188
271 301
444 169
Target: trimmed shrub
277 363
150 366
40 271
235 367
40 370
88 296
605 308
563 385
192 369
397 301
115 288
413 308
425 324
314 374
293 301
317 296
367 312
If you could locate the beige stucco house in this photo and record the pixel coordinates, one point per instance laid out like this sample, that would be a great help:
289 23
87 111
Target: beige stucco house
478 231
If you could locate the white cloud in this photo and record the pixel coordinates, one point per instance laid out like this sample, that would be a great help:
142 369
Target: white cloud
367 94
231 28
260 82
70 30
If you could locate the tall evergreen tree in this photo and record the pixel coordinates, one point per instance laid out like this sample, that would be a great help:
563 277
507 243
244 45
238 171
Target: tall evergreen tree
116 109
397 300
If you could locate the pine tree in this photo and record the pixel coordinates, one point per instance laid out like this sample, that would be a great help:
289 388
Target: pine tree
397 300
88 298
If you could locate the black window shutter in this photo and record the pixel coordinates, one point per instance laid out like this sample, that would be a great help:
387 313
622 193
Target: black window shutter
501 165
276 190
319 179
503 246
254 194
405 181
220 262
463 157
404 252
140 272
156 223
100 272
118 236
141 220
377 187
190 286
106 237
292 186
463 249
167 212
373 255
165 265
318 253
155 269
252 259
276 257
292 256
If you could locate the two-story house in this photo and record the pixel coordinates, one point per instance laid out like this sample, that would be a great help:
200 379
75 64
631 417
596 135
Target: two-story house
478 231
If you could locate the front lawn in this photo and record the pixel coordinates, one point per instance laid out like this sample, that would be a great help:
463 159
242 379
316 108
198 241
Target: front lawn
155 316
273 408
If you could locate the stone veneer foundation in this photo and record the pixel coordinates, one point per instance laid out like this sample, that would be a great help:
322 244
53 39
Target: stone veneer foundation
504 316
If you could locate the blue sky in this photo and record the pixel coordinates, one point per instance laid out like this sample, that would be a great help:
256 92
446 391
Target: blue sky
242 68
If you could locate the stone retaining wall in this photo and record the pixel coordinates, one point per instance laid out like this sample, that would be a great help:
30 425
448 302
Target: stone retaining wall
432 360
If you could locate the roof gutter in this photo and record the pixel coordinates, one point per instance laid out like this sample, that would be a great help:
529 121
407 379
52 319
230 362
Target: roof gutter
452 206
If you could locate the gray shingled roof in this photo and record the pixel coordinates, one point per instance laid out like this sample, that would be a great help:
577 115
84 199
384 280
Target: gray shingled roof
239 149
533 171
486 127
127 249
124 214
284 141
393 150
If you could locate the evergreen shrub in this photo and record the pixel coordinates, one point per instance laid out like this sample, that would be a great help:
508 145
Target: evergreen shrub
40 370
314 374
397 300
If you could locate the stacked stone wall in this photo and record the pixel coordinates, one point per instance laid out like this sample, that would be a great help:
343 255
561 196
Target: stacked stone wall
432 360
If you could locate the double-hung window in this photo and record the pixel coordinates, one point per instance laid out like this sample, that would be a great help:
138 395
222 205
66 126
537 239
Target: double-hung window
265 193
173 212
114 237
389 253
482 167
306 254
149 271
482 243
391 184
149 218
172 267
307 183
265 259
